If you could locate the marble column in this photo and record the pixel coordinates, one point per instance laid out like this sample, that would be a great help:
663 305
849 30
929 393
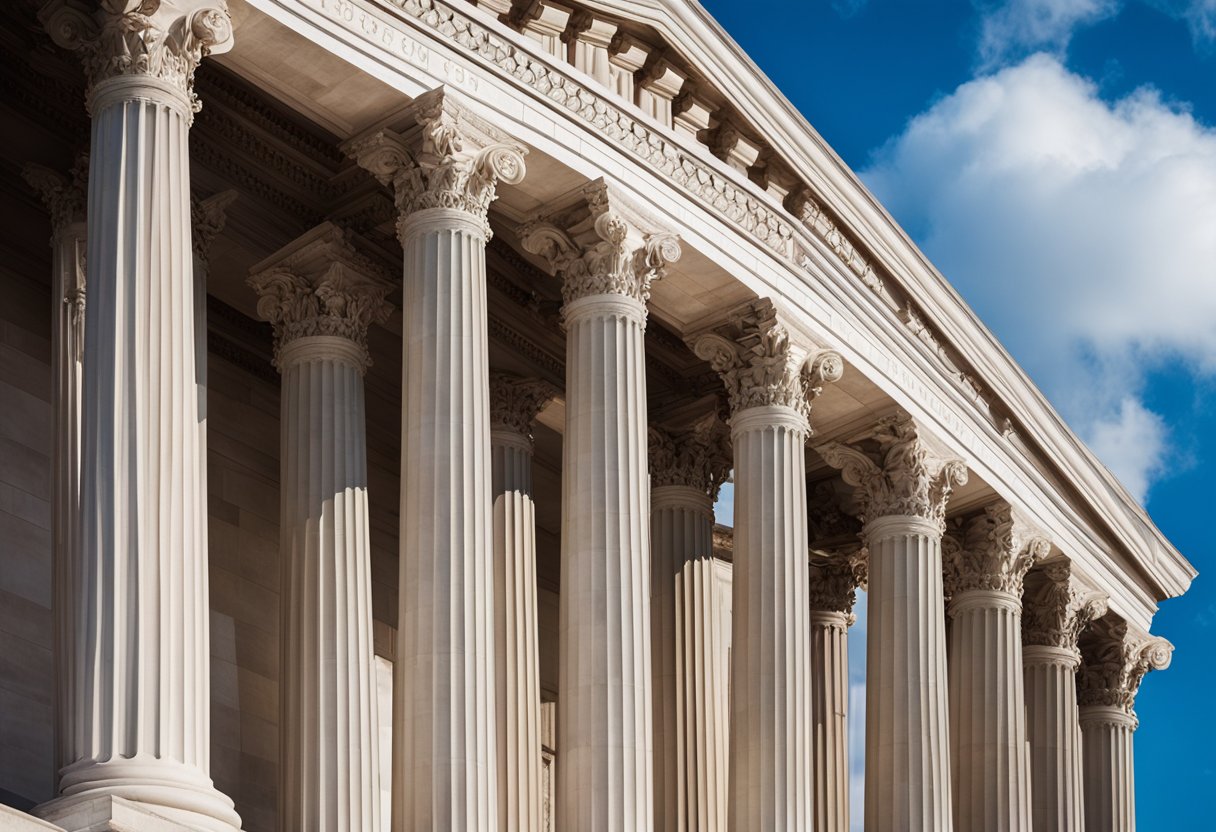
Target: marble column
444 166
514 403
64 197
691 725
902 490
321 296
771 381
984 570
140 695
607 258
834 580
1114 659
1055 610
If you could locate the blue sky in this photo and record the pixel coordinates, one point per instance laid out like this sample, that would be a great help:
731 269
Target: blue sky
1057 161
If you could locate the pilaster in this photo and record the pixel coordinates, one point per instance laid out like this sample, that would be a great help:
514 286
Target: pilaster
607 253
514 404
771 381
444 165
139 695
1056 608
902 487
321 296
691 727
1114 660
984 570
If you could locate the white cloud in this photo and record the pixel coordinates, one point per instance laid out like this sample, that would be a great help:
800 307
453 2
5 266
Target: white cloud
1084 233
1015 28
1199 16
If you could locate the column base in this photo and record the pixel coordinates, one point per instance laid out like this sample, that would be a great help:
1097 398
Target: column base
103 796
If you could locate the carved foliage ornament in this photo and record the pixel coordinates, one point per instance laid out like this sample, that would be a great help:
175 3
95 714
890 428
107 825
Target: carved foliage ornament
699 457
998 547
762 367
1114 663
901 477
515 401
1056 608
64 196
161 39
323 288
834 582
597 250
455 162
207 219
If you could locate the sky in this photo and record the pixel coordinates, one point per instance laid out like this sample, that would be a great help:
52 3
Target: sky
1056 159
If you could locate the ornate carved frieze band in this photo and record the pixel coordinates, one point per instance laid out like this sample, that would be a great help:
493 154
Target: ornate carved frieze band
600 244
762 366
996 549
896 473
1057 607
320 285
162 40
443 156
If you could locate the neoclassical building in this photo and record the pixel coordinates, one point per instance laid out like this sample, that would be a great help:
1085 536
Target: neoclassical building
362 423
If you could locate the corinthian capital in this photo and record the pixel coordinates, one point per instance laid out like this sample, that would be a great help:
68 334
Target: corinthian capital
896 473
319 285
64 196
998 547
207 219
600 245
697 456
835 579
515 401
162 40
762 366
442 156
1056 607
1114 660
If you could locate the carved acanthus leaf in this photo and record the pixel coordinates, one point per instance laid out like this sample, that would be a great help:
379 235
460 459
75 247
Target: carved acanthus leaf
160 39
207 218
698 456
320 285
64 196
998 547
452 160
762 366
598 246
515 401
835 579
898 474
1114 661
1056 607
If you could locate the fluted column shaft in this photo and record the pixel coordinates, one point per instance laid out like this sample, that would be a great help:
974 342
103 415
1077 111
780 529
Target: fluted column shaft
1054 736
770 735
445 762
690 674
991 780
907 783
829 702
604 703
1109 765
138 686
516 639
328 726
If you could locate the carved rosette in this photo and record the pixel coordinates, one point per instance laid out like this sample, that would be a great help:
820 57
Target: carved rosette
1114 662
762 366
319 285
997 549
835 579
698 456
207 219
598 246
515 401
158 39
1056 608
447 159
896 473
